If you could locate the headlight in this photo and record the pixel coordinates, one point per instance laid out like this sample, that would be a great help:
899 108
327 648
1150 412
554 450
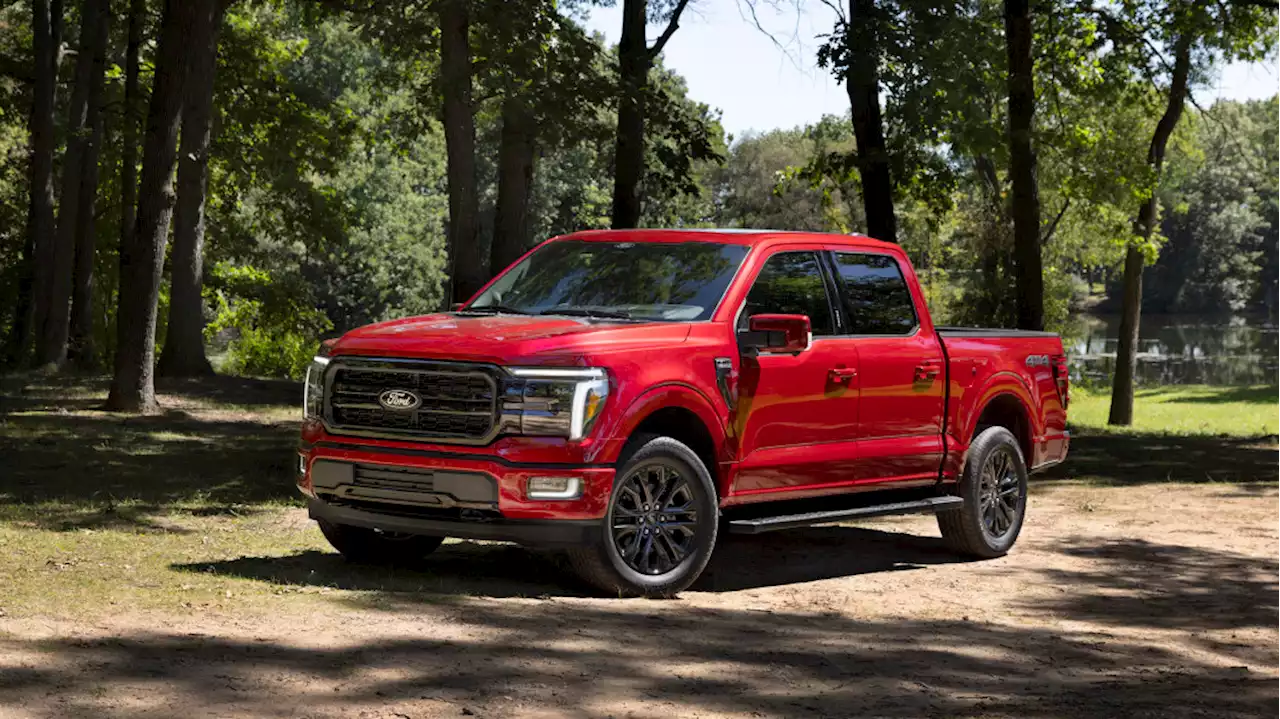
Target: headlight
561 401
313 390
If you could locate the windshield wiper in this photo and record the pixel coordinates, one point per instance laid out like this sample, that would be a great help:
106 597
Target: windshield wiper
494 309
585 312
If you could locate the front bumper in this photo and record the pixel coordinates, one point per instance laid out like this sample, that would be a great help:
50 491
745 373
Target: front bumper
436 492
531 532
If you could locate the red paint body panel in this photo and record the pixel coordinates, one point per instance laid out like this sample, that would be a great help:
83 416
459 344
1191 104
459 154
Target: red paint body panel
847 414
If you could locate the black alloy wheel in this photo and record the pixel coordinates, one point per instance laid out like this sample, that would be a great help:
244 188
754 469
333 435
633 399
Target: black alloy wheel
660 528
654 518
993 485
999 492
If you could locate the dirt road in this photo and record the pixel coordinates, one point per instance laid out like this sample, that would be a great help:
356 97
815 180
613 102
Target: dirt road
1145 601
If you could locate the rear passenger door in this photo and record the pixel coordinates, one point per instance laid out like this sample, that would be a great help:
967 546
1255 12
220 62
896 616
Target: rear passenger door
901 370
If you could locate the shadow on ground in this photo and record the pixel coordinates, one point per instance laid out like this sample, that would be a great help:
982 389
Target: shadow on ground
1134 582
475 569
111 471
1136 458
1216 395
497 658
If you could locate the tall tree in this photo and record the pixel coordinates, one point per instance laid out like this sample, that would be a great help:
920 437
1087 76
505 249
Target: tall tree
80 126
516 153
635 60
1199 33
131 118
183 354
35 279
1135 258
1028 273
862 83
552 79
465 252
80 348
142 261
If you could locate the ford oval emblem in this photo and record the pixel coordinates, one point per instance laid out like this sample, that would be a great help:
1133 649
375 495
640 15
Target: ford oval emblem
400 399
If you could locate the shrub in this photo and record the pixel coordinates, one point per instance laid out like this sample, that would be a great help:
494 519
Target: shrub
270 327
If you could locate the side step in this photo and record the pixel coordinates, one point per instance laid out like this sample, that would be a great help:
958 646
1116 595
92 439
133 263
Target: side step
791 521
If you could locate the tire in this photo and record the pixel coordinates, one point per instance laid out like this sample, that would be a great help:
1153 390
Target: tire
643 551
369 546
985 527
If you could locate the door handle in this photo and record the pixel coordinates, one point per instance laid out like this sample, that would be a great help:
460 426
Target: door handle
927 371
842 374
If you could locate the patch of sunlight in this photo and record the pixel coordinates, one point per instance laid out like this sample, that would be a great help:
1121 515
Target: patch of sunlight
166 436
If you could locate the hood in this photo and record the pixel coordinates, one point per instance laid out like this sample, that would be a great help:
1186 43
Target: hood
504 339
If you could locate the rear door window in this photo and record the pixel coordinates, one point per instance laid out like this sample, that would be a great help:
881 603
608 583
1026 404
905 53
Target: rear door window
875 295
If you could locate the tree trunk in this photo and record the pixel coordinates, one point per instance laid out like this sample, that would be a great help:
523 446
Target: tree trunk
1131 306
142 261
183 354
80 346
35 278
57 318
1029 275
465 254
634 61
863 87
132 118
515 180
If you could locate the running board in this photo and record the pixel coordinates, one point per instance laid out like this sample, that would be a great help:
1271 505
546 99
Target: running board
791 521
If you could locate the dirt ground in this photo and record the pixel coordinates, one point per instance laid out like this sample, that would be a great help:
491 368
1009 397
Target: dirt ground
1151 600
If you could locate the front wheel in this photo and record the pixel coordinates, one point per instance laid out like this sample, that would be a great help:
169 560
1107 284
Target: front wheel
370 546
994 488
660 527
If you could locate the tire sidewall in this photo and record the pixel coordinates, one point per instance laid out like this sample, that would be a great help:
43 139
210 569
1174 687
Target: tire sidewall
673 451
988 442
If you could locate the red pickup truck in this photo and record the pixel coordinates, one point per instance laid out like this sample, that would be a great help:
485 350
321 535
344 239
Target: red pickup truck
629 395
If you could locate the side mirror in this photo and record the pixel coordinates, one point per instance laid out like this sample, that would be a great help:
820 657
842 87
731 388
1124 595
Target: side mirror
455 306
779 334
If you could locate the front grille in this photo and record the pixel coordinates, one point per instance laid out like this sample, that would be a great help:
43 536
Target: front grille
456 401
404 479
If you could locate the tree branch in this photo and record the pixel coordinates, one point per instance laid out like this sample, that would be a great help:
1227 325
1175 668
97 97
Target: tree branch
672 25
1053 226
784 49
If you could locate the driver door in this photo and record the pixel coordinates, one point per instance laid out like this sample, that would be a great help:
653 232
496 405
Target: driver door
797 419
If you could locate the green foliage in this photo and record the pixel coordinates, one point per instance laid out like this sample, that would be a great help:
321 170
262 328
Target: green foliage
1220 219
327 200
268 328
762 183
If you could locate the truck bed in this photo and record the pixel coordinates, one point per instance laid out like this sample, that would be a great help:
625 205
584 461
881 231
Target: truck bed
1035 364
990 332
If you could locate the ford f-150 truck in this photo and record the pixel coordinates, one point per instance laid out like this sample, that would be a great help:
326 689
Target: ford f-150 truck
630 395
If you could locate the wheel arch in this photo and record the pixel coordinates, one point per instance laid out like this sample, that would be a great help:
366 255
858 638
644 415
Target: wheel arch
1006 409
683 414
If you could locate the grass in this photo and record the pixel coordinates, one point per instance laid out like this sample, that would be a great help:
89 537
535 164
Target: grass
1185 410
194 509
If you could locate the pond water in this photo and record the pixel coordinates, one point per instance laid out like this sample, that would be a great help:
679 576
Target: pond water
1177 349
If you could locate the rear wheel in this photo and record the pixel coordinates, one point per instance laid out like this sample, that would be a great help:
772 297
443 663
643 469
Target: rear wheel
370 546
994 487
661 525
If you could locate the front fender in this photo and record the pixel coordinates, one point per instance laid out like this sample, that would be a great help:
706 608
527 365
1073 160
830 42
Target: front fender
665 396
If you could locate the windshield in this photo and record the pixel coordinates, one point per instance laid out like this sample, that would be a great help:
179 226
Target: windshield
626 280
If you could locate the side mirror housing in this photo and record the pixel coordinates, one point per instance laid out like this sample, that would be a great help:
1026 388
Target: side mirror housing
778 334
